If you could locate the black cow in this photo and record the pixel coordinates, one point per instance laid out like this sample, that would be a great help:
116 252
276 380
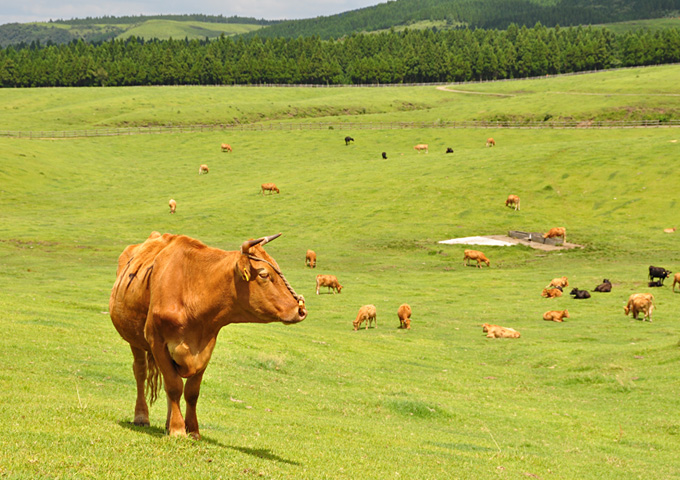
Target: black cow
605 286
579 294
384 154
657 283
449 150
658 272
348 139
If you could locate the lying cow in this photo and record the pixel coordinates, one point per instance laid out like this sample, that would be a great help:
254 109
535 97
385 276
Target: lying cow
656 283
496 331
173 205
676 279
490 142
203 169
512 201
328 281
404 314
226 147
270 187
310 259
552 292
366 313
449 150
605 286
475 255
561 282
421 146
658 272
348 139
640 303
557 232
669 230
556 315
579 294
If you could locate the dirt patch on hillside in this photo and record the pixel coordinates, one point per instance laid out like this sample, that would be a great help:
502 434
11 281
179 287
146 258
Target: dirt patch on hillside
536 245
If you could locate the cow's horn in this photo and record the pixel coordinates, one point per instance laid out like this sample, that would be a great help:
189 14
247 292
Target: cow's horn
264 240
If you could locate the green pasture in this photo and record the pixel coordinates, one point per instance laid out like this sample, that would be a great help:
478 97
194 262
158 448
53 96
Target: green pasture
653 24
164 29
632 94
594 397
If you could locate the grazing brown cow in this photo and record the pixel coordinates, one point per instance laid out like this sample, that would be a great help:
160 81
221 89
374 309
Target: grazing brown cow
173 205
676 279
552 292
203 169
404 314
561 282
172 296
310 259
556 315
421 146
490 142
496 331
512 201
270 187
640 303
366 313
475 255
226 147
557 232
328 281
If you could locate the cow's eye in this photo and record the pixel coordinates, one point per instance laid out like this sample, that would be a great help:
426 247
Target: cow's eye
263 274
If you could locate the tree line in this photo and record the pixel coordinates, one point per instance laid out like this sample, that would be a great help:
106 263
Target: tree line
487 14
410 56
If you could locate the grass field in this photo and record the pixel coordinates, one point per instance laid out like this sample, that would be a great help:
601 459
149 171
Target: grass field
595 397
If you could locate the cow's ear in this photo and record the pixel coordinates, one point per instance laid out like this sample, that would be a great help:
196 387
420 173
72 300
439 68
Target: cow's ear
243 267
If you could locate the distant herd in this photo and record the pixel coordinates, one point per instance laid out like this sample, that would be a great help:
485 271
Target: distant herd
637 304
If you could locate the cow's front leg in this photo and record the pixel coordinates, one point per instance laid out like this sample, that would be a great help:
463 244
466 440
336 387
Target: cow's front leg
191 392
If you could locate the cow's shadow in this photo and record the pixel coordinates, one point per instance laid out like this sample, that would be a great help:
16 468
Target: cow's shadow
159 432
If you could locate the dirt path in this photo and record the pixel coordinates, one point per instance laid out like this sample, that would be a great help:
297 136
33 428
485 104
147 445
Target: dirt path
536 245
446 89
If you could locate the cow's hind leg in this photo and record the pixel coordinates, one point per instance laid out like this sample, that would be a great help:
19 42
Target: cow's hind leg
139 369
191 392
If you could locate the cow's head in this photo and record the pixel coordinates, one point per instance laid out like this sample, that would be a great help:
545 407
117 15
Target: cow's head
270 297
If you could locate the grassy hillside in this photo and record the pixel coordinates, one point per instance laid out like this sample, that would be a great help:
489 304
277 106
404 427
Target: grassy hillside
621 94
585 399
164 29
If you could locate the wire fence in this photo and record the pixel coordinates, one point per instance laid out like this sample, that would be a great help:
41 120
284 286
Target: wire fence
345 126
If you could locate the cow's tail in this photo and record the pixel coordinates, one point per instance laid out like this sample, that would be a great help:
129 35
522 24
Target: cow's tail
154 380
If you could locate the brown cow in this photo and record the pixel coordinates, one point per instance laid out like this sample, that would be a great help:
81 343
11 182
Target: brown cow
556 315
366 313
310 259
557 232
404 314
421 146
270 187
226 147
203 169
173 205
676 279
552 292
561 282
512 201
172 296
496 331
640 303
475 255
669 230
328 281
490 142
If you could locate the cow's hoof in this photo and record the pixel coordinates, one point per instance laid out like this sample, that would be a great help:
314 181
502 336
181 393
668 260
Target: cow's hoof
142 421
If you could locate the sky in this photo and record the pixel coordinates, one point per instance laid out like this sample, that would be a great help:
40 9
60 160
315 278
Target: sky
24 11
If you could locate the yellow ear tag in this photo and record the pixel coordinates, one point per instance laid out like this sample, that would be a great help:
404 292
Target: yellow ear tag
246 275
